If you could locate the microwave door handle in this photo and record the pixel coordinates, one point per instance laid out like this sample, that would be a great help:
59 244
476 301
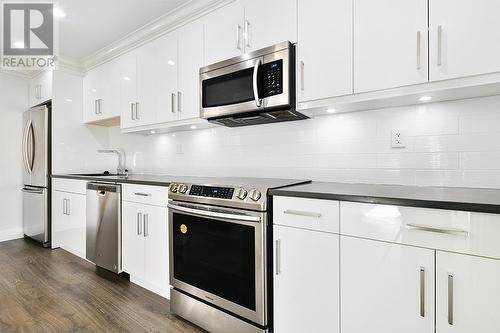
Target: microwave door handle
258 101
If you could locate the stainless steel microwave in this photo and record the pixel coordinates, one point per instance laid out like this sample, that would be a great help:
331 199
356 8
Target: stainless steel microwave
255 88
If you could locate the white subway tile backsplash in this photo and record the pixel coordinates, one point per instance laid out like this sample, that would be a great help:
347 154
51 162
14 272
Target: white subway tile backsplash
447 144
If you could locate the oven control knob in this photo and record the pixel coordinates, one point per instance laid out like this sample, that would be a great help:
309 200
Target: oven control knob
183 188
174 187
241 193
255 194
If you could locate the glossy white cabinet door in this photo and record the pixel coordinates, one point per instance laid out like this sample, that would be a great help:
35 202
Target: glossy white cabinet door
390 43
128 69
475 294
324 49
69 222
147 84
40 88
306 281
190 53
224 33
133 239
269 22
91 93
470 31
156 261
167 81
381 287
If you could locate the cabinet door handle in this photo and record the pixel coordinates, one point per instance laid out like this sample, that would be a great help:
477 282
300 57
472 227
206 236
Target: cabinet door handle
450 299
238 36
146 225
440 45
302 65
172 96
461 232
68 207
247 33
95 106
132 116
99 104
139 224
422 292
137 111
302 213
419 65
142 194
278 257
179 108
64 206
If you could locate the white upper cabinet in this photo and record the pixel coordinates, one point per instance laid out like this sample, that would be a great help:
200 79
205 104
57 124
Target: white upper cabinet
390 44
167 84
40 88
128 87
324 49
224 33
245 25
190 59
464 38
101 93
271 22
467 294
146 105
386 287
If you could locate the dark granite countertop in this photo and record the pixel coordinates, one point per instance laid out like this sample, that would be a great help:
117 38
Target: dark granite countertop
451 198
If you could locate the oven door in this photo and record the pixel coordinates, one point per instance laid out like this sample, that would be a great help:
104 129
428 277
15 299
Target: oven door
219 256
230 90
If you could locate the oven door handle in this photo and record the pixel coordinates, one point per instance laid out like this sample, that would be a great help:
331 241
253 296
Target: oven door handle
258 101
208 213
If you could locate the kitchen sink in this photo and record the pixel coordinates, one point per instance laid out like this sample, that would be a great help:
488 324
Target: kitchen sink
103 174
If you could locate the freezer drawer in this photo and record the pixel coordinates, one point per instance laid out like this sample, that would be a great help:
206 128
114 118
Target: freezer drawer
103 229
35 214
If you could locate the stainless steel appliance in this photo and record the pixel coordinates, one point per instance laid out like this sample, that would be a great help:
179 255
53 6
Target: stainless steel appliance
255 88
103 234
219 235
36 171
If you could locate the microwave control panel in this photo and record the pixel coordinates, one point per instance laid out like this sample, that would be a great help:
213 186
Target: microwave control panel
212 191
272 78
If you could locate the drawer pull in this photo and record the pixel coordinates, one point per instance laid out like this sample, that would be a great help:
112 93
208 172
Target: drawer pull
450 299
422 292
302 213
460 232
278 256
142 194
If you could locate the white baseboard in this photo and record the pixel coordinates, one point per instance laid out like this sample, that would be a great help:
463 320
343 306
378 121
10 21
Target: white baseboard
10 234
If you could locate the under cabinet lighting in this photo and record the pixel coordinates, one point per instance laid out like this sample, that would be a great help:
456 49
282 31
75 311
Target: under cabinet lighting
425 98
193 127
58 12
152 132
331 110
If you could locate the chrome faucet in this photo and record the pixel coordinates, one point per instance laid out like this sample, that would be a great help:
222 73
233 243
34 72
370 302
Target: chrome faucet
121 169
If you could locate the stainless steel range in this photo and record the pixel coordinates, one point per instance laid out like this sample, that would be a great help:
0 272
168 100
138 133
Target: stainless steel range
219 253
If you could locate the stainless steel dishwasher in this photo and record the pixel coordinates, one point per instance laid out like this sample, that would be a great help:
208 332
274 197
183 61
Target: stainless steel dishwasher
103 241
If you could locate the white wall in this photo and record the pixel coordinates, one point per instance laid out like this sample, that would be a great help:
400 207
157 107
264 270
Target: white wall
448 144
14 100
74 145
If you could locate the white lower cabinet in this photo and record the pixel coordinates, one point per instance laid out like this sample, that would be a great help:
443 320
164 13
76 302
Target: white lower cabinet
145 246
467 294
306 281
69 222
386 287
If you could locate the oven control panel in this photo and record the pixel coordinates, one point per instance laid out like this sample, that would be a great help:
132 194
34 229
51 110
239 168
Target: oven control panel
212 191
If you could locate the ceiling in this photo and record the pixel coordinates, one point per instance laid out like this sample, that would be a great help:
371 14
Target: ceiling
90 25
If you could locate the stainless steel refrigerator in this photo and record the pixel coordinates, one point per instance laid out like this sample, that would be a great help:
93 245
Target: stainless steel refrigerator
36 161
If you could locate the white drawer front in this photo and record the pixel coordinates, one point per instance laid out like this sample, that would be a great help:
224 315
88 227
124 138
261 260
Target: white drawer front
457 231
149 195
69 185
312 214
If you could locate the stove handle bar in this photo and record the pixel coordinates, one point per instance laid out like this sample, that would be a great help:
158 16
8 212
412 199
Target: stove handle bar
208 213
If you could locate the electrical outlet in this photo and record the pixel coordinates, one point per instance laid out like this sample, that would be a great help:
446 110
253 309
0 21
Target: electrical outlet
398 140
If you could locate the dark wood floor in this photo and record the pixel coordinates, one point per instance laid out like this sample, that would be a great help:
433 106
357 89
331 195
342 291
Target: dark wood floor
43 290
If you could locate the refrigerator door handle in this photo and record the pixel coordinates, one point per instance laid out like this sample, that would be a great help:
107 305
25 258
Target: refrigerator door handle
25 146
31 147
